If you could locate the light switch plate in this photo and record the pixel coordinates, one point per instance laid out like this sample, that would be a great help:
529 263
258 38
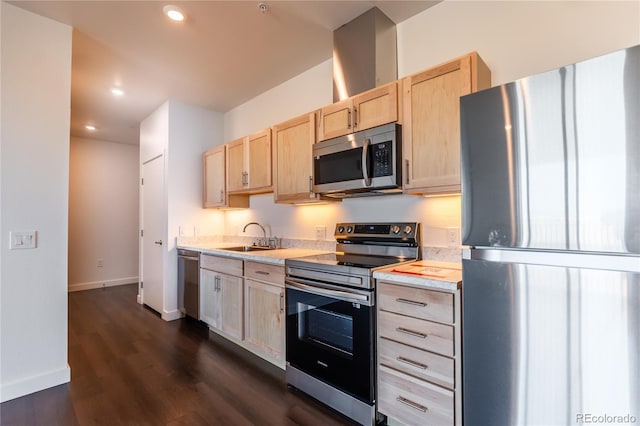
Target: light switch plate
22 240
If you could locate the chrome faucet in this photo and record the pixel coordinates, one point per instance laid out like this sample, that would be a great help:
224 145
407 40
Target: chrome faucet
264 233
272 242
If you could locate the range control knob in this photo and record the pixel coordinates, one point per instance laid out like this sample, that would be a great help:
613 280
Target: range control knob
395 229
349 229
340 229
408 229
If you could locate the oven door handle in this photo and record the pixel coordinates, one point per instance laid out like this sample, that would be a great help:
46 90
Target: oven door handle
345 296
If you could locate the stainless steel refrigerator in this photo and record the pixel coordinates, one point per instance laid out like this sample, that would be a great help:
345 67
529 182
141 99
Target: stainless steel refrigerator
551 213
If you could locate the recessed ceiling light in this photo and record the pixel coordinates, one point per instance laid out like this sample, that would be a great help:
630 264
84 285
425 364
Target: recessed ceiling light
174 13
90 127
117 91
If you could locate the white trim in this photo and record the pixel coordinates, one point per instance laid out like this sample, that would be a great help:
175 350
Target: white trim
172 315
33 384
101 284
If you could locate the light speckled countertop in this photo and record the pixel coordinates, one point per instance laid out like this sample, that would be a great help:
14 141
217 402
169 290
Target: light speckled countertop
424 273
275 257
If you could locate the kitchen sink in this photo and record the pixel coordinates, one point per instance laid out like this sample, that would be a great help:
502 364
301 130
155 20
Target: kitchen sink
249 248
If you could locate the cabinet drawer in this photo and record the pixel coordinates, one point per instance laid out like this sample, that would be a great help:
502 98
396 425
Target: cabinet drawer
221 264
261 271
413 401
421 364
421 334
416 302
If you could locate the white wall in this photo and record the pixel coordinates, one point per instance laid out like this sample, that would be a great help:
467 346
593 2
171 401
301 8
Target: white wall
515 38
181 133
306 92
154 133
103 213
192 130
35 179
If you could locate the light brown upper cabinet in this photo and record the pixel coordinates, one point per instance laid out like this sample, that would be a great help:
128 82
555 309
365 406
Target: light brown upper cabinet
431 123
249 164
372 108
293 161
214 190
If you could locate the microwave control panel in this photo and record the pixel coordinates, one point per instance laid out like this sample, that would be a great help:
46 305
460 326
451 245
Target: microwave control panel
382 159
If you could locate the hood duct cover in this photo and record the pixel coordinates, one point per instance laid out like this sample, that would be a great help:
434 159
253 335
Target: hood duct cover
364 54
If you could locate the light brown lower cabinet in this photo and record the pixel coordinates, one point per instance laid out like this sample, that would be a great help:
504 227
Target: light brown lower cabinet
221 294
413 401
244 301
419 359
264 317
264 309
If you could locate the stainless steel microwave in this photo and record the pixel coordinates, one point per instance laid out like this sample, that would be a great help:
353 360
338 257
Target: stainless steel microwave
359 164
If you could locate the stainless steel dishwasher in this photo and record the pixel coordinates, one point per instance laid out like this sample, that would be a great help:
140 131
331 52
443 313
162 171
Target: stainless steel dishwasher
189 282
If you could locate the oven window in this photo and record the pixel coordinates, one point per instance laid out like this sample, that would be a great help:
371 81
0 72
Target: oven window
326 328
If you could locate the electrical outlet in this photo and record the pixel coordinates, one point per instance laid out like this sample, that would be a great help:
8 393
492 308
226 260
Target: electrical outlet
100 263
453 237
321 232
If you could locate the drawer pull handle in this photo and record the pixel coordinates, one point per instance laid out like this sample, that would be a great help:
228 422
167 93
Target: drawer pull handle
411 333
262 272
410 302
412 363
412 404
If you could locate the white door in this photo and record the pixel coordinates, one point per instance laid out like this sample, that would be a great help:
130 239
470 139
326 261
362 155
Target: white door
152 232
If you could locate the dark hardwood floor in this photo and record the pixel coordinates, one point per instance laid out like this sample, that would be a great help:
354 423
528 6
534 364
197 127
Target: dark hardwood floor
129 367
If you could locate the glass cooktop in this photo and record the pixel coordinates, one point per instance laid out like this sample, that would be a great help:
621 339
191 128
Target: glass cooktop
353 260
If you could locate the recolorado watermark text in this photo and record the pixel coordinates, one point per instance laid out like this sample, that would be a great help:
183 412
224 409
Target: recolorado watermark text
588 418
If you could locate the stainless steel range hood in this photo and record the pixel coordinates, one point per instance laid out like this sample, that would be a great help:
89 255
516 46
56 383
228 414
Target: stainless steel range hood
364 54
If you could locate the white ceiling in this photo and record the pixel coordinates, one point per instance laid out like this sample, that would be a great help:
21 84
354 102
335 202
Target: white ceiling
223 54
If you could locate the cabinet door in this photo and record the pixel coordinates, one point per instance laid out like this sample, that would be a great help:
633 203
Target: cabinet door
431 124
214 184
376 107
214 177
258 159
264 317
293 141
236 176
335 120
230 299
209 297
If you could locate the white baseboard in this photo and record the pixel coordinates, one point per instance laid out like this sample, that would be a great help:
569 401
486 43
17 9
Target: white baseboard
33 384
172 315
101 284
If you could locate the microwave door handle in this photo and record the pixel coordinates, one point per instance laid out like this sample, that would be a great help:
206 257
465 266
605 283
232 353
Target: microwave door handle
365 159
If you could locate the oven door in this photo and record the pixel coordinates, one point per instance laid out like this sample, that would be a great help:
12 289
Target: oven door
331 335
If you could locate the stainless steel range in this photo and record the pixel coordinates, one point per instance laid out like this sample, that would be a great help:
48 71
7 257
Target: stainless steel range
331 322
